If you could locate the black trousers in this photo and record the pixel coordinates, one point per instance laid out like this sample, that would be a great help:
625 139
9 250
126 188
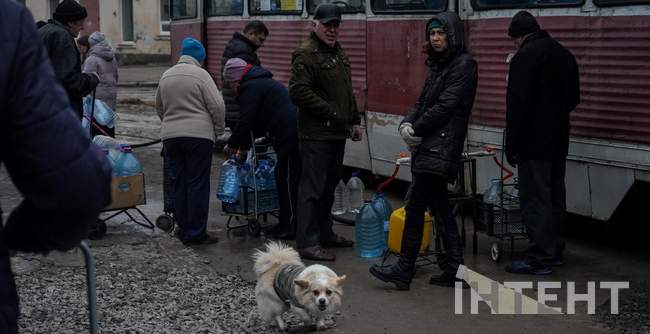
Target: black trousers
542 194
322 163
287 178
8 294
190 160
430 190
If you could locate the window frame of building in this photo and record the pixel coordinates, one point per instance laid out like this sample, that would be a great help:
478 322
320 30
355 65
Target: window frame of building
312 4
397 11
128 33
299 4
165 21
210 12
477 5
173 7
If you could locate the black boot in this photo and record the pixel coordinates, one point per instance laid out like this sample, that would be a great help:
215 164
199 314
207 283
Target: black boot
403 271
399 274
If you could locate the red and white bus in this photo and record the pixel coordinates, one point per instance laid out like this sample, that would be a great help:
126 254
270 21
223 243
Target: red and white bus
610 142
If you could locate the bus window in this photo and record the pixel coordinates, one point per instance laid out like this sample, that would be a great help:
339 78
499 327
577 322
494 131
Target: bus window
492 4
605 3
405 6
224 7
347 6
183 9
261 7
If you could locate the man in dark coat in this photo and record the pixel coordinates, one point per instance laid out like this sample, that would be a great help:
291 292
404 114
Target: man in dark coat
63 178
543 88
242 45
265 108
58 37
434 130
321 87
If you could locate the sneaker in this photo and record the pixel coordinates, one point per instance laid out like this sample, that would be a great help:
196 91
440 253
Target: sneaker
528 268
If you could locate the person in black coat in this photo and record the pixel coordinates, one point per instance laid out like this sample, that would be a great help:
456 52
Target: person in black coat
434 130
265 108
58 37
63 178
242 45
543 88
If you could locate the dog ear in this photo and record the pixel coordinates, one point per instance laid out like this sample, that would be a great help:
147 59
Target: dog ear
301 283
340 279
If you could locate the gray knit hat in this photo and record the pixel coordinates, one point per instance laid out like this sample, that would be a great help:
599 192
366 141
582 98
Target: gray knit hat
95 38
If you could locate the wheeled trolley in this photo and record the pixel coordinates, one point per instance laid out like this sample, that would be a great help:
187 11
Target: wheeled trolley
256 201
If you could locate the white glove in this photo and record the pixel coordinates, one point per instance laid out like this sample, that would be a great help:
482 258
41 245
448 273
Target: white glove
408 135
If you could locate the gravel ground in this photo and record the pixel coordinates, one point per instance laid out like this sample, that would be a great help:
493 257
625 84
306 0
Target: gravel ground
634 310
145 284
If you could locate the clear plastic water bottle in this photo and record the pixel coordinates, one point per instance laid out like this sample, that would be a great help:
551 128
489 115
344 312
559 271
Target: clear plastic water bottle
369 234
355 189
126 164
339 206
264 175
493 194
383 207
105 141
103 114
228 189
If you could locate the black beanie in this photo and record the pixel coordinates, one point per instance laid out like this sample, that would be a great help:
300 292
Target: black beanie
69 11
522 23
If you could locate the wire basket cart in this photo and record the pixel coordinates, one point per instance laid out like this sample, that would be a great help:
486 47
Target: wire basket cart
502 218
255 203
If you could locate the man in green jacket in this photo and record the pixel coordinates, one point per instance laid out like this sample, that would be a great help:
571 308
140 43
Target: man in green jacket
321 88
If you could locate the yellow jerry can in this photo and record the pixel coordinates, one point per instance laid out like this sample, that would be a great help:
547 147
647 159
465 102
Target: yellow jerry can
396 227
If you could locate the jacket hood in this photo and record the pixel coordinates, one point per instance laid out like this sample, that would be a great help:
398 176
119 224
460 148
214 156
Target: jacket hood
455 30
102 50
257 72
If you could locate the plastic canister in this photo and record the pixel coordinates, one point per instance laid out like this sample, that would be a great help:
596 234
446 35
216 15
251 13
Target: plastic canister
396 228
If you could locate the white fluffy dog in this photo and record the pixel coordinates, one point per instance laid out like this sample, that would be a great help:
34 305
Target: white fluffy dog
283 283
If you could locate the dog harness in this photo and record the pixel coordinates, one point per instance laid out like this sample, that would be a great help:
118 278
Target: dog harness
283 284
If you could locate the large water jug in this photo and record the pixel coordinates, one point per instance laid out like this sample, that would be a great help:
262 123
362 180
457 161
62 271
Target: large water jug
383 207
126 164
105 141
355 189
493 194
228 189
103 114
339 206
264 175
369 232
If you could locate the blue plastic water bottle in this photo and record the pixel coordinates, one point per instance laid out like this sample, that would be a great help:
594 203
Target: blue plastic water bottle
228 190
369 234
126 164
383 207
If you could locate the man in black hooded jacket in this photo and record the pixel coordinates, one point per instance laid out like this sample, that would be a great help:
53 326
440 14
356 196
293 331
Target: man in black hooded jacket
242 45
543 88
58 37
434 130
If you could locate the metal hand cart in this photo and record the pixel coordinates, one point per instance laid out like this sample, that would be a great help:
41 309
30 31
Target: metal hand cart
458 198
167 221
502 218
254 203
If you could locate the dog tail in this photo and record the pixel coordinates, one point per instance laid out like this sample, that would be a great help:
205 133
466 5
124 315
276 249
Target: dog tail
276 253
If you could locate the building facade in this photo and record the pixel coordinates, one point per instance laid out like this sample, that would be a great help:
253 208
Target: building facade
137 29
